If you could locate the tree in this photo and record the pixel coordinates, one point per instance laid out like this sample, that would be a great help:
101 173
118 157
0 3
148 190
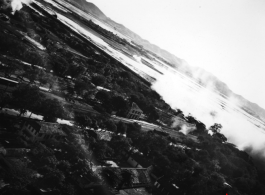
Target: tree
243 184
67 189
76 70
125 75
120 144
112 176
203 155
125 84
9 67
110 125
98 80
32 73
133 129
220 137
191 119
91 69
162 160
216 128
100 109
152 113
52 109
54 178
200 127
4 4
81 86
121 128
40 150
127 178
120 105
50 160
107 71
20 176
27 97
215 165
83 120
102 150
64 166
70 90
103 96
46 78
59 65
197 170
5 98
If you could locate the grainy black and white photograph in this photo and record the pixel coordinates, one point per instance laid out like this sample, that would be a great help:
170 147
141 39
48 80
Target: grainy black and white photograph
142 97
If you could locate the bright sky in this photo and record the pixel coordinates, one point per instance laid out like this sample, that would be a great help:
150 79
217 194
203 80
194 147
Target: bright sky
225 37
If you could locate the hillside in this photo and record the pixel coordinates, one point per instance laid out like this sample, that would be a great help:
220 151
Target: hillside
77 118
93 9
202 76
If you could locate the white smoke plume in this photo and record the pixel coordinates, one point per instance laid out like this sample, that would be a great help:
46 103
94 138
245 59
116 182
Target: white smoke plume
180 92
182 125
15 5
18 4
185 130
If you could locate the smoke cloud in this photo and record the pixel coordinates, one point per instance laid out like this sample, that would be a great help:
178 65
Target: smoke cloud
182 125
186 130
242 129
18 4
15 5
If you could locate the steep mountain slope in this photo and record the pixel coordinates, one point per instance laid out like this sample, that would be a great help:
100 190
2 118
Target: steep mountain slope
203 77
90 83
89 7
94 10
146 44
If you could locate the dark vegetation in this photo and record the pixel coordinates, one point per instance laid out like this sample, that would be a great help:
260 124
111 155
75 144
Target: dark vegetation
72 69
196 168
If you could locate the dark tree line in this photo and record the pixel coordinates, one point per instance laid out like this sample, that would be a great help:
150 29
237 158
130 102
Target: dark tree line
29 98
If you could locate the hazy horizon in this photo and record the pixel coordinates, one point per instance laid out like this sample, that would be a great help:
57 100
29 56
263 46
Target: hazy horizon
225 38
